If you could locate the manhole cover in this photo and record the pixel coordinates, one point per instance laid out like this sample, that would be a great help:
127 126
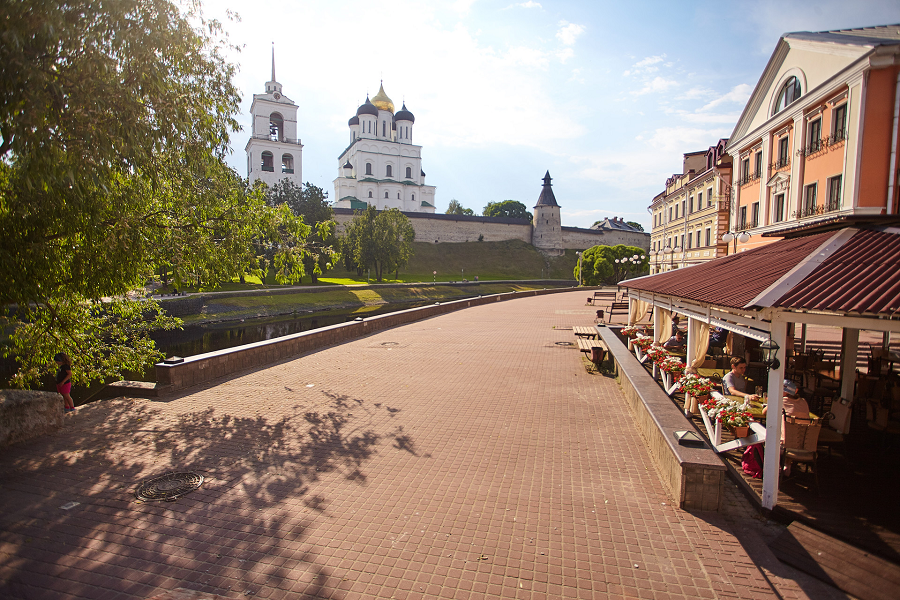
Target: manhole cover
169 487
564 344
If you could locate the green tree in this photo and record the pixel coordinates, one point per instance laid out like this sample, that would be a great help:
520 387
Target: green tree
114 123
378 239
311 203
455 208
508 208
635 224
599 265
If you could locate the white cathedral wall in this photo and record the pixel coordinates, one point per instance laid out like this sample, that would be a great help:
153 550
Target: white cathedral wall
255 150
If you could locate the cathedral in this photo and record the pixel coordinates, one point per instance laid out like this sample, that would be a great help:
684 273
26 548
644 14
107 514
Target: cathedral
381 166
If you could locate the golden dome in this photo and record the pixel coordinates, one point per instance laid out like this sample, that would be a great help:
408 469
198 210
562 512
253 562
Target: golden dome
382 101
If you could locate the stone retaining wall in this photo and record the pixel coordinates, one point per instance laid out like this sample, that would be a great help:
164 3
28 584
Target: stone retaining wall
203 368
25 414
695 477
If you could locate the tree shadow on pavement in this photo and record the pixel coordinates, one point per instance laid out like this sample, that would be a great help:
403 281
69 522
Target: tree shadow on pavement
238 533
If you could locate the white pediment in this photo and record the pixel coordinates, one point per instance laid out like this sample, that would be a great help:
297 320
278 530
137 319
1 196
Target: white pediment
779 182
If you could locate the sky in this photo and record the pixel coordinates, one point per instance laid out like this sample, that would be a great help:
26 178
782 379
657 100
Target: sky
606 96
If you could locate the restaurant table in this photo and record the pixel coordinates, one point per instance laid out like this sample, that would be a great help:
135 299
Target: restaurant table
710 373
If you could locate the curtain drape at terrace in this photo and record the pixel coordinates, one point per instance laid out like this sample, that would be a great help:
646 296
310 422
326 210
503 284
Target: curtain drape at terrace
636 310
663 325
699 339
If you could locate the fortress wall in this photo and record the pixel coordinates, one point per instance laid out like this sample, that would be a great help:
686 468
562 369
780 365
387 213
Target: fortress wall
581 239
442 228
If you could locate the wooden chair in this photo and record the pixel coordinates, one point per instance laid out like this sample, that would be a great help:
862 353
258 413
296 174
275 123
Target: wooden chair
801 438
837 425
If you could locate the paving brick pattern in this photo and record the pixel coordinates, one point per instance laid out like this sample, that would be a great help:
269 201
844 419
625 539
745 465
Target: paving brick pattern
469 455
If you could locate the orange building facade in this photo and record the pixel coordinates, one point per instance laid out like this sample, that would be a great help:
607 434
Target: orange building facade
818 137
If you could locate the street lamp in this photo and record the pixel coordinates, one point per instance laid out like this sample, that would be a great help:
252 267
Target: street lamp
742 237
667 250
770 353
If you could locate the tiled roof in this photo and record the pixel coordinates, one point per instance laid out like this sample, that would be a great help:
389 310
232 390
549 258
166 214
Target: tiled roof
849 271
862 276
732 281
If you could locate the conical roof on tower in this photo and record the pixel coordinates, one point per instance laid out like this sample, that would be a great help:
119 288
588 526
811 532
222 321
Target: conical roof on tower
382 101
547 198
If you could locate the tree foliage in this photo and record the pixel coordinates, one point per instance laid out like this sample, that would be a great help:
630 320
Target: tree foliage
599 265
114 124
508 208
635 224
378 239
310 202
455 208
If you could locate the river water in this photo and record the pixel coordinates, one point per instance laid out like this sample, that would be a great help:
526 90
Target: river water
209 337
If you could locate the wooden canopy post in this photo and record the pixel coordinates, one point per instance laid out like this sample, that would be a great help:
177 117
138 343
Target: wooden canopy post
849 351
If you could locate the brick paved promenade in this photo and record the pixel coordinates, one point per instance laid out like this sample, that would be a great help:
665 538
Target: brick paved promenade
465 456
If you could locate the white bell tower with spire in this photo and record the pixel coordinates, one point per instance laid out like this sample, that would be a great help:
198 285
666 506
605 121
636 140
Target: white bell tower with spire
274 150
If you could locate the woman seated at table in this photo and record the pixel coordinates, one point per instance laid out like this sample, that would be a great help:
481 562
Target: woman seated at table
794 406
734 383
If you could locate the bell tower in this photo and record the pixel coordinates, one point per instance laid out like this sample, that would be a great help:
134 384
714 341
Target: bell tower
274 150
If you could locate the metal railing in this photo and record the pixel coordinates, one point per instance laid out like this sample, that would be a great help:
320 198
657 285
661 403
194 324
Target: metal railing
781 162
272 138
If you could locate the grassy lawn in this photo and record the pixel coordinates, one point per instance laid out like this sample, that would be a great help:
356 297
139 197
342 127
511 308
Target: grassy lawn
490 261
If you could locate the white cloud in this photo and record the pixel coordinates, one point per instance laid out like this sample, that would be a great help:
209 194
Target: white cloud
656 85
678 140
738 94
568 32
645 66
528 4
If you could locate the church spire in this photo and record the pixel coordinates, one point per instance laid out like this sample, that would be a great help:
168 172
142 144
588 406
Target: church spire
273 61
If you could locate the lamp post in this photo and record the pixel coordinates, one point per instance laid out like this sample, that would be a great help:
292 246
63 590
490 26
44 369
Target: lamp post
742 237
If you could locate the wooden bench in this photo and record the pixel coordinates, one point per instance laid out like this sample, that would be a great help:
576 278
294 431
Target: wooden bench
587 346
846 567
617 307
583 331
602 297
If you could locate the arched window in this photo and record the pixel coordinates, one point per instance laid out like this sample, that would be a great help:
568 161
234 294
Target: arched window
409 172
385 194
383 129
790 91
276 127
398 195
287 163
368 168
268 162
370 193
389 171
414 197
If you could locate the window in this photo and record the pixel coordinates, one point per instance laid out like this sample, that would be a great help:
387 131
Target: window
409 172
839 123
754 215
287 163
389 171
834 194
708 198
698 238
778 209
268 162
690 204
413 197
708 235
742 223
809 201
682 242
398 195
759 168
790 91
699 200
690 238
276 127
383 129
385 194
815 136
682 208
370 193
784 152
368 168
670 213
745 170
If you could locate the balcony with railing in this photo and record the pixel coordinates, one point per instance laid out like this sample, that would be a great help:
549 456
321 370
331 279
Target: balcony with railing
273 138
748 178
817 209
822 144
782 162
746 224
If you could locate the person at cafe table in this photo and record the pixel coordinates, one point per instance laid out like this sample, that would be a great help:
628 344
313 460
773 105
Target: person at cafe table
734 383
676 342
793 406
